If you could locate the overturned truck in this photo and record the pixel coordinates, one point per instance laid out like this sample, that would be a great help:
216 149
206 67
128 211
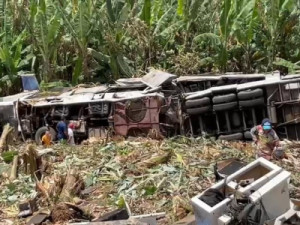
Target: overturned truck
230 111
225 106
129 107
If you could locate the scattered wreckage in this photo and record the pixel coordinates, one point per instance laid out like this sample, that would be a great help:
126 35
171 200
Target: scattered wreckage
145 176
225 106
246 196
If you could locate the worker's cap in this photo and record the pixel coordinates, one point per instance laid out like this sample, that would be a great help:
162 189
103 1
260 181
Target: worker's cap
72 125
267 126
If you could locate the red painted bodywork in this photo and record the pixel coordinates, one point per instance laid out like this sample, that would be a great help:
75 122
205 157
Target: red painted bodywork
122 124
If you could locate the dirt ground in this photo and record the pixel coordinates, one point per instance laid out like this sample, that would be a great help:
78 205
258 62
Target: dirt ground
143 175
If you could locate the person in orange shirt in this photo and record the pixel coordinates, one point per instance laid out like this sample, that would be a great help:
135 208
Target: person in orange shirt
46 139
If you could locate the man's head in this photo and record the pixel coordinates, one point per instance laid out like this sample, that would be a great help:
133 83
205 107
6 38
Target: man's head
48 133
266 125
72 126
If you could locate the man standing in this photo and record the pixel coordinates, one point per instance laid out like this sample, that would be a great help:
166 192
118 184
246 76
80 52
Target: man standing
71 134
265 139
61 128
46 139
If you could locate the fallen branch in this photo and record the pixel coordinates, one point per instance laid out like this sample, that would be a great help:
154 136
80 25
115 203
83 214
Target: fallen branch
156 215
155 160
46 151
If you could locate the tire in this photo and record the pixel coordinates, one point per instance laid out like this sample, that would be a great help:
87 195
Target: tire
225 106
200 110
231 137
250 94
252 103
224 98
197 102
247 135
41 131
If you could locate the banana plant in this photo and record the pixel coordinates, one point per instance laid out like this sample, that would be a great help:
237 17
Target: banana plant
13 56
44 27
117 14
78 25
146 12
276 15
11 62
244 26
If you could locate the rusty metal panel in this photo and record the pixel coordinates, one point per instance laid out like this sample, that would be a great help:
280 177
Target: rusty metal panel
156 78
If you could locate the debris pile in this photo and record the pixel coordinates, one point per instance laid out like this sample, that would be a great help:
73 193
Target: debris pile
257 193
142 175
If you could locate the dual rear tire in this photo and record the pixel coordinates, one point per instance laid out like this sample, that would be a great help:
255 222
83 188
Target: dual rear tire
41 131
198 106
251 98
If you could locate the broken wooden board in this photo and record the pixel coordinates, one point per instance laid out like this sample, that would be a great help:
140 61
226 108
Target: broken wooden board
37 219
119 214
45 151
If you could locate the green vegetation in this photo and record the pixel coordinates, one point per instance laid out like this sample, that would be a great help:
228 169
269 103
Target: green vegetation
102 40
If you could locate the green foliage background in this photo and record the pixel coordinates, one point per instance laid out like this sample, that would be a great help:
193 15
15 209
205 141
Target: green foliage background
102 40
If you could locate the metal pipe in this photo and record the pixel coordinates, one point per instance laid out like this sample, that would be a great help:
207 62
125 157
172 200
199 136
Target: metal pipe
254 116
287 102
19 121
293 121
191 127
286 132
281 98
201 125
268 106
290 91
227 121
273 113
269 98
264 113
31 125
244 120
218 125
180 116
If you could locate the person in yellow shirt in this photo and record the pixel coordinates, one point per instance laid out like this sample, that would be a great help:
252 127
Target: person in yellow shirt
46 139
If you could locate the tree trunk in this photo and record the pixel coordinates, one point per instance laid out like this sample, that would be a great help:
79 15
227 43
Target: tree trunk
30 160
46 70
13 174
85 69
3 140
72 187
